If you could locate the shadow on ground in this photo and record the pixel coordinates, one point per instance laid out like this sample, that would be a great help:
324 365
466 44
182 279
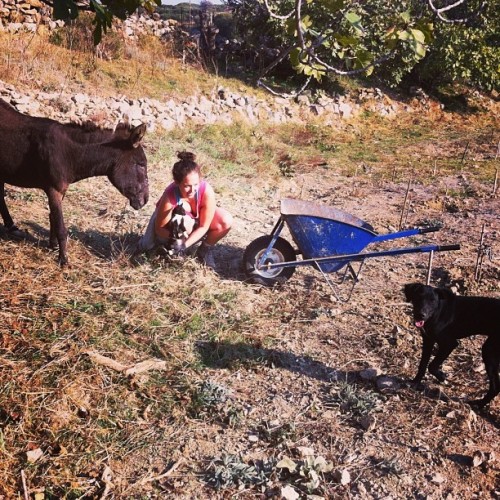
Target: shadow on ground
108 246
224 355
230 355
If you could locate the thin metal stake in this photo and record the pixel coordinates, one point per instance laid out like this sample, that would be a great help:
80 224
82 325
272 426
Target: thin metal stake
404 204
495 183
429 268
480 254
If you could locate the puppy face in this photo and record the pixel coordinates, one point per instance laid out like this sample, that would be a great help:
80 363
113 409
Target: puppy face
425 302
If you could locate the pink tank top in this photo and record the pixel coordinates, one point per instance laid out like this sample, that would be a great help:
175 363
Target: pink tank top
174 197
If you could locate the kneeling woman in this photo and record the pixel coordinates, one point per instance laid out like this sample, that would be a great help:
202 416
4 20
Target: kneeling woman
196 196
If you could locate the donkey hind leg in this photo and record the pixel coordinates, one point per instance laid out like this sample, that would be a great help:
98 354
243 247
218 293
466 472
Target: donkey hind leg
4 212
58 231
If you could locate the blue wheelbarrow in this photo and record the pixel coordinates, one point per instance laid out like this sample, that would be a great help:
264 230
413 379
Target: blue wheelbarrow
328 239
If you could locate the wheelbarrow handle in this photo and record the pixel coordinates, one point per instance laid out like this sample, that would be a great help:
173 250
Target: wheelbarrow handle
430 229
446 248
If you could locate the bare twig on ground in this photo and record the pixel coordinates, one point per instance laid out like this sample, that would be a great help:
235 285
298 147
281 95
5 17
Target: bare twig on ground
143 366
167 473
25 486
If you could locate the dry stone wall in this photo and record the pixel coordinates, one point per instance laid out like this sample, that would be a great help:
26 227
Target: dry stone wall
25 14
223 106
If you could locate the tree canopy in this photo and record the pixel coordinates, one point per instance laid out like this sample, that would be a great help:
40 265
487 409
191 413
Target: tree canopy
349 37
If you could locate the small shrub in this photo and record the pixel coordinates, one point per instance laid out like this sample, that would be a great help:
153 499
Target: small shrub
208 396
230 471
356 402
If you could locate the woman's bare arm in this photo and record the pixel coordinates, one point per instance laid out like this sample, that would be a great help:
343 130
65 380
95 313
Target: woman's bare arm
207 212
163 216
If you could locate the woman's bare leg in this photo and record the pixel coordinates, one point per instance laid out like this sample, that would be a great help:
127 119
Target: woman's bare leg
220 226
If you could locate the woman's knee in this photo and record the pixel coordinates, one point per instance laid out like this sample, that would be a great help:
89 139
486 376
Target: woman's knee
227 221
223 220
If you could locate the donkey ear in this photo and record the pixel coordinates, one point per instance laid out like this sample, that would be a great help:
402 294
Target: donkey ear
137 134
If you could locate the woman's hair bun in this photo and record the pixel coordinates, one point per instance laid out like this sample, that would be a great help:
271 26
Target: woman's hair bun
186 156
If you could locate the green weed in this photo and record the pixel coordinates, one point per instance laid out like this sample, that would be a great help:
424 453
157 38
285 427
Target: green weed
230 471
356 401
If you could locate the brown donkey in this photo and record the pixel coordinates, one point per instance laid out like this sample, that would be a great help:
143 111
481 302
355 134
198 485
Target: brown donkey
45 154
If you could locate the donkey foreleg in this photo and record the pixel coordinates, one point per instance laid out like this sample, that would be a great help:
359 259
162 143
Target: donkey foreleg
58 231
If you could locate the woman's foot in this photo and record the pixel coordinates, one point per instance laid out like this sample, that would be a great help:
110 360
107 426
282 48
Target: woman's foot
205 255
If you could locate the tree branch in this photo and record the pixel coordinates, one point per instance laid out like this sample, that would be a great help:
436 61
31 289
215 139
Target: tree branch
276 16
439 11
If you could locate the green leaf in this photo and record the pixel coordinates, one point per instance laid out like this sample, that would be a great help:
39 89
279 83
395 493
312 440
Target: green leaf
291 27
420 50
294 56
333 5
103 20
353 18
418 35
406 16
97 36
363 58
427 29
347 41
306 23
404 35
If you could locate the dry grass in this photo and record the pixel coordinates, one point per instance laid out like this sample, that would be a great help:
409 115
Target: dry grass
146 68
251 375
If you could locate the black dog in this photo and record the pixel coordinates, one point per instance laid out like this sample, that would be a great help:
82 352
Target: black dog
443 318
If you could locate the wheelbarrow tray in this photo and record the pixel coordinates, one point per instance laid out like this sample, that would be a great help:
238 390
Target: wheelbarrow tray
321 232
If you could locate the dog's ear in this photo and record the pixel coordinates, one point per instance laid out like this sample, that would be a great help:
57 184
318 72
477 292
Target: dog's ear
410 289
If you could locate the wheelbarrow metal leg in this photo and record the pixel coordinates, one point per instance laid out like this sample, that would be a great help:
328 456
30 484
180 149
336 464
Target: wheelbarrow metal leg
333 286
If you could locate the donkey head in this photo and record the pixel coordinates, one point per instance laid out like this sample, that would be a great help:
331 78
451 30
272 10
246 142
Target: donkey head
129 173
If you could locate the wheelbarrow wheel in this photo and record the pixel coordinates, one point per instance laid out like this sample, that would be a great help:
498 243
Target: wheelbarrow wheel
282 251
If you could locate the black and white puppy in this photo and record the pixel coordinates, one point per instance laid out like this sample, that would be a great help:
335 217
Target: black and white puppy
179 227
177 224
443 318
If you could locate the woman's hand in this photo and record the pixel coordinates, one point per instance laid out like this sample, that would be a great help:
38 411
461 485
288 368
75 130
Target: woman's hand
178 247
